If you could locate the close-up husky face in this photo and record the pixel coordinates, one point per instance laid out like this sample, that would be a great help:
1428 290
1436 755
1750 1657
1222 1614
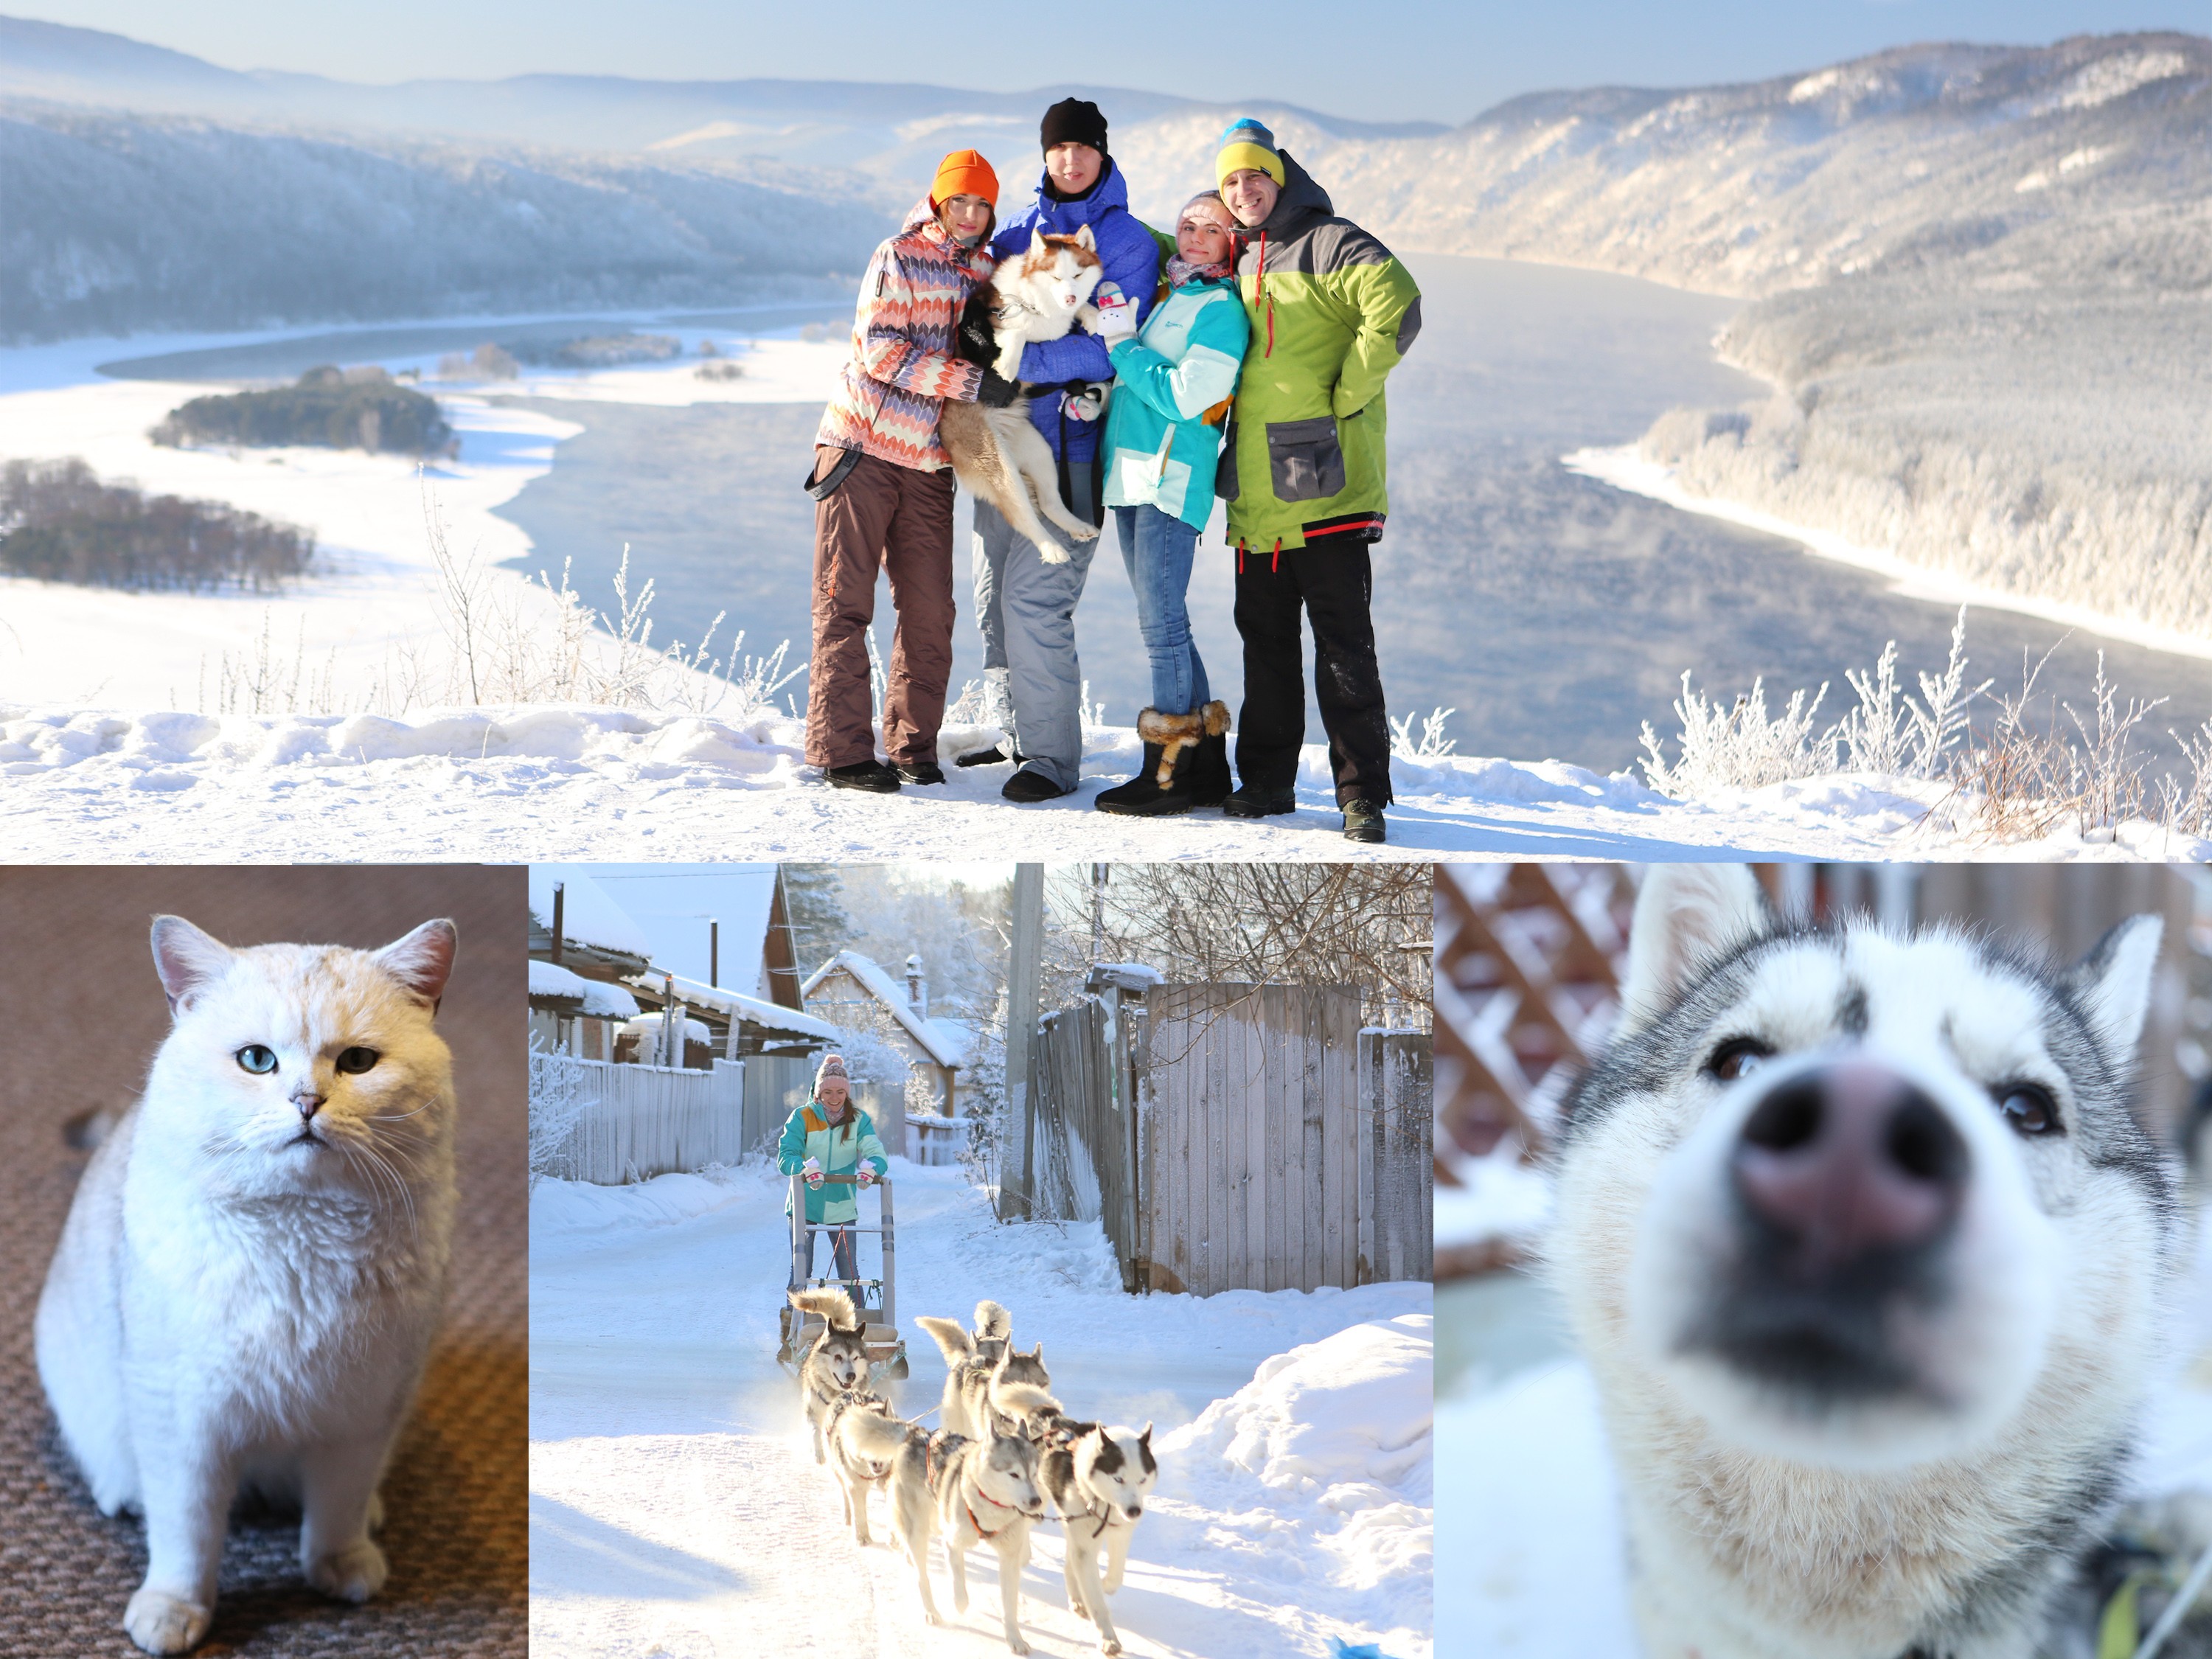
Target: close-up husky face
1114 1467
1006 1473
843 1353
1853 1194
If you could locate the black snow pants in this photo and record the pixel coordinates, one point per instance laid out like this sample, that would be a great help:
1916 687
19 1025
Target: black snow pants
1333 586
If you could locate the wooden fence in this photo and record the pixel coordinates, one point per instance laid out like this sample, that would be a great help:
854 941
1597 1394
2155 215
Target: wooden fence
633 1122
1235 1137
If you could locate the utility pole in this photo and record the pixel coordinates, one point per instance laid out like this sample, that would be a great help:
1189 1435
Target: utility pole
714 953
1098 911
1019 1159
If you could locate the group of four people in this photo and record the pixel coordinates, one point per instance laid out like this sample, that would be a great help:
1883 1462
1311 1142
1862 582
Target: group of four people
1248 364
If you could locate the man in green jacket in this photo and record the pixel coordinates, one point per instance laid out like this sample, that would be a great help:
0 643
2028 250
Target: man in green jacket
1332 312
830 1135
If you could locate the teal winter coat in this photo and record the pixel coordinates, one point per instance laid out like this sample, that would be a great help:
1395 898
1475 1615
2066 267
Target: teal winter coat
1159 452
807 1134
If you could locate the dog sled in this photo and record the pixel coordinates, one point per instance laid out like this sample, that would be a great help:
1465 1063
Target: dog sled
878 1311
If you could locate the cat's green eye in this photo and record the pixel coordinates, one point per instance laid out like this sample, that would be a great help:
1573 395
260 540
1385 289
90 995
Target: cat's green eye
358 1060
258 1059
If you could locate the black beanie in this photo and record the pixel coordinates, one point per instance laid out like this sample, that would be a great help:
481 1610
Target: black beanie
1074 121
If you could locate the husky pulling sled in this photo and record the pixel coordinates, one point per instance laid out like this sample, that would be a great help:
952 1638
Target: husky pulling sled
801 1323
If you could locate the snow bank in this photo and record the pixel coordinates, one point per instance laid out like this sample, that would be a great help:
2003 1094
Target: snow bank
569 1207
1330 1443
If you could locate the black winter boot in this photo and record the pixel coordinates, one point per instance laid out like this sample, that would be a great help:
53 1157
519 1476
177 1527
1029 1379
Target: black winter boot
1163 787
1256 801
1210 779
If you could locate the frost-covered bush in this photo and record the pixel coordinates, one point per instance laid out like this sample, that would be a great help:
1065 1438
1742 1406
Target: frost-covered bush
557 1101
59 523
1738 745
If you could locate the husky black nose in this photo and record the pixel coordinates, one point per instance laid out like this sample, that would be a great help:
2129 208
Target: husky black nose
1847 1161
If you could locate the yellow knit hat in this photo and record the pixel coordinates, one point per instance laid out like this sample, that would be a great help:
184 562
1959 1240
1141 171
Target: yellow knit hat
1247 143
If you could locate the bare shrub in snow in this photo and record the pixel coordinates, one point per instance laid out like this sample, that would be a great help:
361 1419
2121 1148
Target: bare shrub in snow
557 1100
1421 736
1739 746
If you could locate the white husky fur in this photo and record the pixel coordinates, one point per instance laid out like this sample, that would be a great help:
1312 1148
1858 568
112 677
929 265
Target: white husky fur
1937 1516
999 453
971 1380
858 1472
1097 1476
246 1291
972 1492
836 1361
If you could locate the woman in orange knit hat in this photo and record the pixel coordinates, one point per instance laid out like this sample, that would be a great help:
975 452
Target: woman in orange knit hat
882 485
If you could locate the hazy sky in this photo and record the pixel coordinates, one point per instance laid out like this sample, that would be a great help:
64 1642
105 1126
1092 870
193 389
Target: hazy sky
1379 60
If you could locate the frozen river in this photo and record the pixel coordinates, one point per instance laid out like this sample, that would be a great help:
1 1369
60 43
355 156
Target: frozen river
1552 612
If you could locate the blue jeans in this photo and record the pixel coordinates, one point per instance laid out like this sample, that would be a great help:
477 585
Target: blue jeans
1158 547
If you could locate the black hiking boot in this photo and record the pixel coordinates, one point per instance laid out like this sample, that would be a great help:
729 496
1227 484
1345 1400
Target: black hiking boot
919 771
1257 801
1362 821
871 775
1026 787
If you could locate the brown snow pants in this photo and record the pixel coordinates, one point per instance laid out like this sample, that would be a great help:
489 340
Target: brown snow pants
893 518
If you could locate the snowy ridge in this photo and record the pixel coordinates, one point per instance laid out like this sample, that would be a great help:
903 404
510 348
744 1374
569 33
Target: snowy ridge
563 781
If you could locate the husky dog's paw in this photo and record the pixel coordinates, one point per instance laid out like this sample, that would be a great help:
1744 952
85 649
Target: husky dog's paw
1015 1644
1051 552
1110 1648
159 1623
931 1616
1076 1606
352 1574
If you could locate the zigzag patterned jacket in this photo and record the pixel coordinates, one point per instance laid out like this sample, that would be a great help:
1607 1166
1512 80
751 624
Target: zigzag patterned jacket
903 369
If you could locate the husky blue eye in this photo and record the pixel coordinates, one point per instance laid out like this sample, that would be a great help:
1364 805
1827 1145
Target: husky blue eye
258 1059
2027 1106
358 1060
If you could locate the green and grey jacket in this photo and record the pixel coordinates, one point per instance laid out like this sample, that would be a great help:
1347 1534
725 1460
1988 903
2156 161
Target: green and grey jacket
1332 312
807 1134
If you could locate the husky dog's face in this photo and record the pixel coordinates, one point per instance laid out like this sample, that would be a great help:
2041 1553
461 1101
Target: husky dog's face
1851 1196
1058 274
1114 1466
1015 1366
1006 1473
844 1355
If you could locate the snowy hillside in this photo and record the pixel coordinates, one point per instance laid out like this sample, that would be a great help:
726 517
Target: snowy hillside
676 1510
118 224
2085 161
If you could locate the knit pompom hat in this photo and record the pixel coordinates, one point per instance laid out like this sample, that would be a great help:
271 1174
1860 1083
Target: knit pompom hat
832 1066
1247 143
963 173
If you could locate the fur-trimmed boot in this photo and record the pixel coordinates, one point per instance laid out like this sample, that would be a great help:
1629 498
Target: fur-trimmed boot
1210 778
1163 784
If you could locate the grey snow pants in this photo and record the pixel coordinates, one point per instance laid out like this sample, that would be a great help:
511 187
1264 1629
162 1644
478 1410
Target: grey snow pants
1025 610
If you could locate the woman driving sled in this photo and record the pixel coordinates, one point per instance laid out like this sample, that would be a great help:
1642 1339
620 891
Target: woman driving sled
830 1135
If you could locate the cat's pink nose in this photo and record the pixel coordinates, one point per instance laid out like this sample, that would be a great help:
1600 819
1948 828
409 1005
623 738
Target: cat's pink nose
308 1105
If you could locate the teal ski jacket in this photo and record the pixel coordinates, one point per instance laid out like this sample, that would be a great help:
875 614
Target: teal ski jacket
1160 451
807 1134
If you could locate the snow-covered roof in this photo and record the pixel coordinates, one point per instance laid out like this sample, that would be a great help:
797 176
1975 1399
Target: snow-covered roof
600 1000
735 1005
588 915
945 1040
695 1030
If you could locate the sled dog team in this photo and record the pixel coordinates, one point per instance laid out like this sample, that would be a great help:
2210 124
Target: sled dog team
1005 1457
1074 360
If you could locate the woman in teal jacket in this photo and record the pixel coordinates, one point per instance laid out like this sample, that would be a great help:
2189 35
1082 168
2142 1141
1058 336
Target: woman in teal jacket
830 1135
1172 382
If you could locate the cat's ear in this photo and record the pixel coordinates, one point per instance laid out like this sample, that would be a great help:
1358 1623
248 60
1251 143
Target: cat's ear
421 961
187 958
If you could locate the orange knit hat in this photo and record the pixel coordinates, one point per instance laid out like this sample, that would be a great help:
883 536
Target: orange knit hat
963 173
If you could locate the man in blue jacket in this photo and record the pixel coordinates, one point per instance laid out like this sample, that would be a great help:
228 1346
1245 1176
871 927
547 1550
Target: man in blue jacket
1024 606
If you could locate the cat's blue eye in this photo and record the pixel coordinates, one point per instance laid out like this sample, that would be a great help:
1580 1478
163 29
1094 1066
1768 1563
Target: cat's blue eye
358 1060
258 1059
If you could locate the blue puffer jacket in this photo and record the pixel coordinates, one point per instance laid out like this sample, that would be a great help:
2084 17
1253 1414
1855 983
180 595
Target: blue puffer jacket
1131 260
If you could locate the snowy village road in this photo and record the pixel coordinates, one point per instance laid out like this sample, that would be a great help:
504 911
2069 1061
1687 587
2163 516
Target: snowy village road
676 1510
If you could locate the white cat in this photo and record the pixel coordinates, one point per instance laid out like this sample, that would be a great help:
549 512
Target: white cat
253 1267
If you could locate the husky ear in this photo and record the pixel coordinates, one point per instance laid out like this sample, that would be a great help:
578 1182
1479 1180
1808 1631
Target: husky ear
423 960
2112 983
187 958
1687 915
1036 243
1086 239
1145 1438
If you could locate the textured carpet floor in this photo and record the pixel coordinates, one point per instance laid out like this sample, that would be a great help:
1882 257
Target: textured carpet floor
83 1015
